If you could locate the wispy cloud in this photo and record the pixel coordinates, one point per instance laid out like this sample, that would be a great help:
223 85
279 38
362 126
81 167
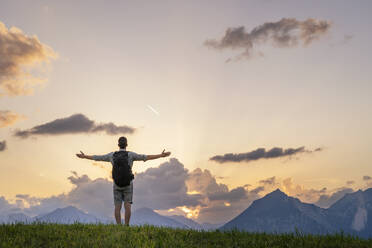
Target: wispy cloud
20 55
74 124
260 153
2 145
351 182
8 118
346 39
292 189
269 181
153 110
287 32
367 178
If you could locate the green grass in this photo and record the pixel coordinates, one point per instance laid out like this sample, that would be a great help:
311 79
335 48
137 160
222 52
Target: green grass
86 235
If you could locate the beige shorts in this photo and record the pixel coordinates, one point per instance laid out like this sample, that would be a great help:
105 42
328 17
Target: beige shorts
123 194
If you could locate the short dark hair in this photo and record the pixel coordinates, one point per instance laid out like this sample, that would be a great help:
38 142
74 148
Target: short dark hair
122 142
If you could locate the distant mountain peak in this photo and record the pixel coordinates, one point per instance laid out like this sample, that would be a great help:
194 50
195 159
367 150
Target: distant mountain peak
144 216
71 207
278 191
276 194
68 209
67 215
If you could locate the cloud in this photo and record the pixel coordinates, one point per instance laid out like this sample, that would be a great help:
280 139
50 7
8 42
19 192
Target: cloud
171 188
112 129
286 185
219 203
258 190
20 57
2 145
164 187
27 198
224 206
306 195
236 194
287 32
350 182
92 196
346 39
322 197
260 153
326 200
367 178
74 124
8 118
4 204
204 182
368 181
168 186
76 180
270 181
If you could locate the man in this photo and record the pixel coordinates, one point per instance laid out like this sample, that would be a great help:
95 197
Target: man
123 193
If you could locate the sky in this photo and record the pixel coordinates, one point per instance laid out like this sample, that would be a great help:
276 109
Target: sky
249 96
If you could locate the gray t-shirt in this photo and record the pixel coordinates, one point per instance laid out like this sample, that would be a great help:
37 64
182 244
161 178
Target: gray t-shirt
132 156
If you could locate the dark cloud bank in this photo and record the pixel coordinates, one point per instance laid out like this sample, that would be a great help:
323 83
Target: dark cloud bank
167 187
260 153
288 32
77 123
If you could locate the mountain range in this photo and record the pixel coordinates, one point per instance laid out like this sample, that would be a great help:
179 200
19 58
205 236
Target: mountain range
70 215
147 216
278 213
274 213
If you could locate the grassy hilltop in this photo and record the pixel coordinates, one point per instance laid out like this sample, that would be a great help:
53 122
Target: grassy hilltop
89 235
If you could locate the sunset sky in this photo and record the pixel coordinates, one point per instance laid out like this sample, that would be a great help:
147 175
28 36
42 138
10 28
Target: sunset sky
198 78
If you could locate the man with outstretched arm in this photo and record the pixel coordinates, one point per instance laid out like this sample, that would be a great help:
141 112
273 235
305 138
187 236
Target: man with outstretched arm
123 193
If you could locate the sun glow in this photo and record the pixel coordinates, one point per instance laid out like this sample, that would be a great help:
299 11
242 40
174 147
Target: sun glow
227 204
194 192
190 213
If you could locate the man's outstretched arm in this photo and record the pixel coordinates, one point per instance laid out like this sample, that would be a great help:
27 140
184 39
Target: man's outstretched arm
82 155
161 155
105 158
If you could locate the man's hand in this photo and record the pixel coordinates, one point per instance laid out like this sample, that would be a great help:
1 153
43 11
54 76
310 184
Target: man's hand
165 154
81 155
161 155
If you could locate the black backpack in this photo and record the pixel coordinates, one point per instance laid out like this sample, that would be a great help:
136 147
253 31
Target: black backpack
121 170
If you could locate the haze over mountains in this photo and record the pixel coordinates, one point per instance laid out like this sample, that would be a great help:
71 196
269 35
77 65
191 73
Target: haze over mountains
275 212
142 216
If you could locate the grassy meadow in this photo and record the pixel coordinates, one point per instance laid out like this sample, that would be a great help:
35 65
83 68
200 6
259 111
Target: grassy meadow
89 235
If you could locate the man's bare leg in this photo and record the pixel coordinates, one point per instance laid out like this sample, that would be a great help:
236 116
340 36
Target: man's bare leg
127 207
117 213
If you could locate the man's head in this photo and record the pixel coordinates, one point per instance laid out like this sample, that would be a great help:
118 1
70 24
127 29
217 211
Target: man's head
122 142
